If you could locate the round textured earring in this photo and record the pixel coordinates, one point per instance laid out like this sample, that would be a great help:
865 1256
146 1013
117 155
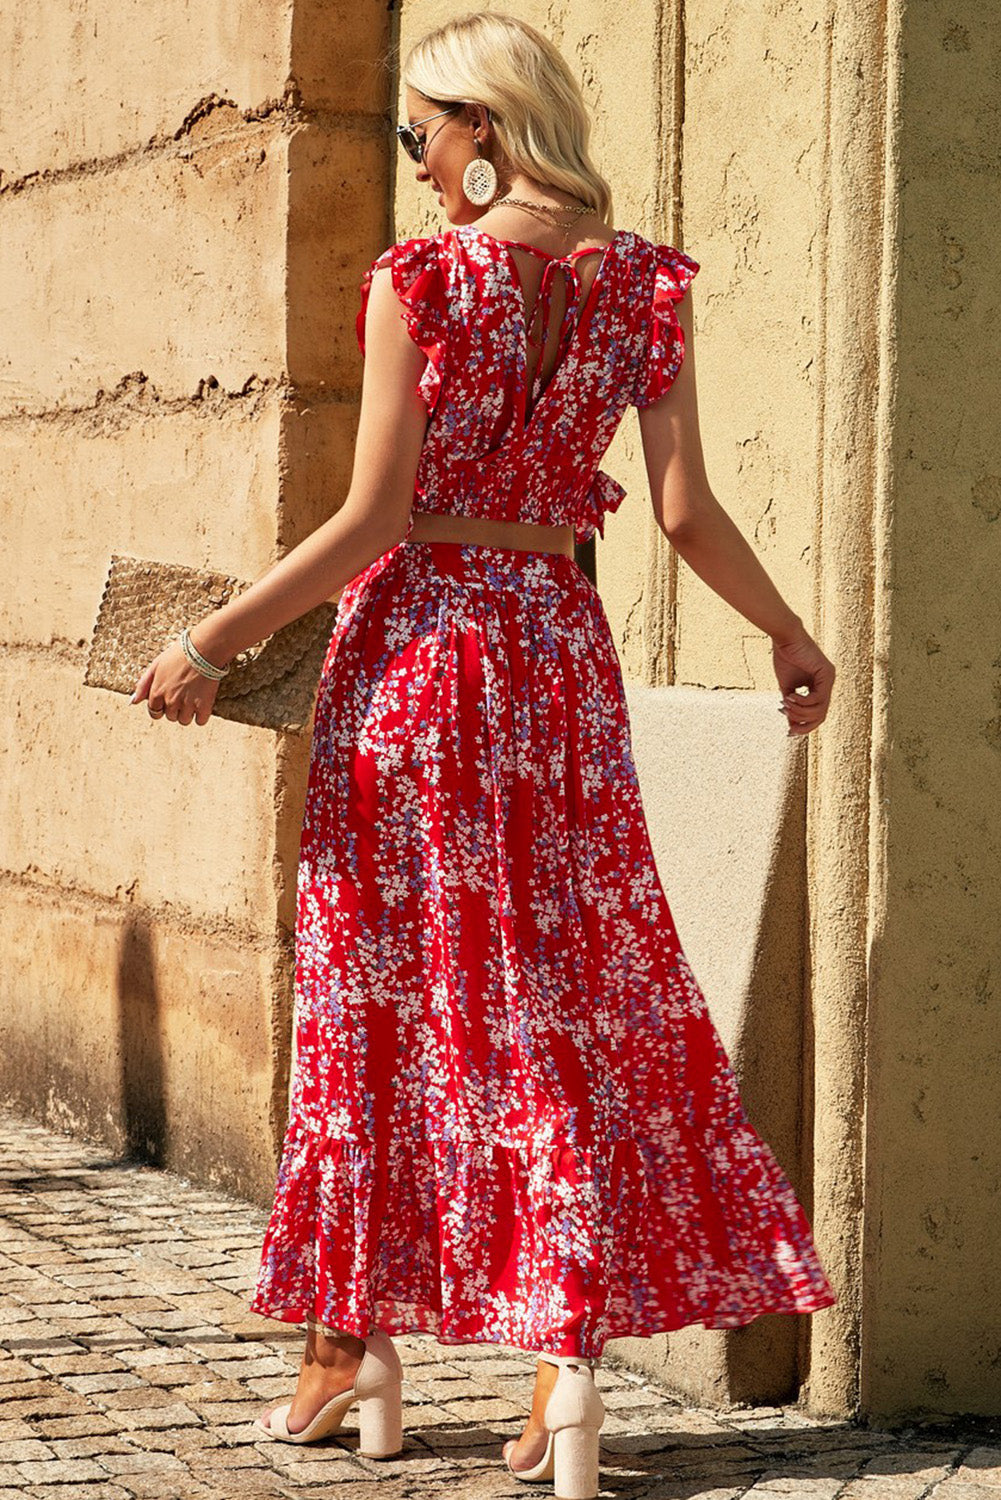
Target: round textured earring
479 180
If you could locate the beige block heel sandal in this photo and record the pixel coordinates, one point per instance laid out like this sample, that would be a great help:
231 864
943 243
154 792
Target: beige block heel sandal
378 1386
573 1417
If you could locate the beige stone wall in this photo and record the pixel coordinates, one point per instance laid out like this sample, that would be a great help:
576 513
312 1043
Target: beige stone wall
188 199
932 1326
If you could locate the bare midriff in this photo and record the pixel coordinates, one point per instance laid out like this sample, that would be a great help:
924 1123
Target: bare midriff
523 535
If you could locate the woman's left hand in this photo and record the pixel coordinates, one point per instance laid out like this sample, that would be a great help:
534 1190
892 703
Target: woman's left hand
176 690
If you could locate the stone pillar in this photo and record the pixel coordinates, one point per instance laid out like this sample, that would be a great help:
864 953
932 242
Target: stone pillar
186 208
931 1326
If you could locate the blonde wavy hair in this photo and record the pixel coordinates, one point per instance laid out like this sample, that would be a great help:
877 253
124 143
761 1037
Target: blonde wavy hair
536 105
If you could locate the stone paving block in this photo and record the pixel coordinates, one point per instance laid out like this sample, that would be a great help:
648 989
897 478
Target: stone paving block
954 1488
174 1487
12 1315
73 1364
694 1491
61 1471
230 1482
159 1417
89 1447
91 1424
12 1371
277 1387
63 1404
889 1487
209 1392
814 1486
235 1369
180 1373
24 1390
178 1440
104 1490
139 1397
166 1322
221 1413
21 1450
914 1463
14 1430
86 1385
124 1465
384 1489
980 1466
135 1302
246 1348
416 1419
493 1409
225 1457
158 1357
237 1434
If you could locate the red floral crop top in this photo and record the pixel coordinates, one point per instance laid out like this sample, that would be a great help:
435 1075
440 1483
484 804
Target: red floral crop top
463 306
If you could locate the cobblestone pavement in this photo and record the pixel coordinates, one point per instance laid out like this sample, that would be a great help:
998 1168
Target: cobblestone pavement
131 1366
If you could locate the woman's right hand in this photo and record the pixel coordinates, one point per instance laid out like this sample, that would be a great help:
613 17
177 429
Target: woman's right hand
799 662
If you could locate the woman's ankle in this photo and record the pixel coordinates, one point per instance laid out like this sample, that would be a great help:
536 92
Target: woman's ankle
333 1344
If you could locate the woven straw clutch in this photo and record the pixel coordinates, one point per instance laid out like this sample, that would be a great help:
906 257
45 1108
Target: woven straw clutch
146 605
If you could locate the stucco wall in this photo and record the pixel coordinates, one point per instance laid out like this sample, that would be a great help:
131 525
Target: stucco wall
931 1323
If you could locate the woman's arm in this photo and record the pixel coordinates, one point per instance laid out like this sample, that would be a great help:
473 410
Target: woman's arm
373 518
701 532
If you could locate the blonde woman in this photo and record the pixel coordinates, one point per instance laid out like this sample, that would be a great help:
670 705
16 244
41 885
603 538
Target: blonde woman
512 1119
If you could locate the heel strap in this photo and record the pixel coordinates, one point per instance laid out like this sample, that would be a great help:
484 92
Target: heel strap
331 1333
570 1359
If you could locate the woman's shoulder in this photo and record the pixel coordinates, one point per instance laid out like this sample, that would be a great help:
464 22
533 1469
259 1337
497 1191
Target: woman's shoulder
419 279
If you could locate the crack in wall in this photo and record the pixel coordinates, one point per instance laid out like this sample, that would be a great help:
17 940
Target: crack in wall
135 393
227 119
49 889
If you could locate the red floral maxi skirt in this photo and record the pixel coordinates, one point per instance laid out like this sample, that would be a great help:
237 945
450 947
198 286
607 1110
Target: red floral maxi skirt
512 1119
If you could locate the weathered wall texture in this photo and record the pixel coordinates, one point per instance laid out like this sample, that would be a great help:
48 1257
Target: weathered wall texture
187 201
931 1321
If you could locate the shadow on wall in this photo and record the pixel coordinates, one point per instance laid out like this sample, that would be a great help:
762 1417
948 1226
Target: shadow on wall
140 1049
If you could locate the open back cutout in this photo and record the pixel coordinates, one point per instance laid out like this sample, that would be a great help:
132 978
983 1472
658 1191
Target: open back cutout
542 354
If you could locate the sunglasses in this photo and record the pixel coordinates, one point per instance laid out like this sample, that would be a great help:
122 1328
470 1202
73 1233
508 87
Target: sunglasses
414 144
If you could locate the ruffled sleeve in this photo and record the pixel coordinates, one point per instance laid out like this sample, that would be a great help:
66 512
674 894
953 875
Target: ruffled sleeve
664 348
419 283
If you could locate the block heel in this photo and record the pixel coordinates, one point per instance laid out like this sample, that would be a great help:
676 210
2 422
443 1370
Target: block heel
575 1463
380 1424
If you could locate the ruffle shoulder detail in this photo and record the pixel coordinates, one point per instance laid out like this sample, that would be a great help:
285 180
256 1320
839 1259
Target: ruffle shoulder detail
419 282
665 343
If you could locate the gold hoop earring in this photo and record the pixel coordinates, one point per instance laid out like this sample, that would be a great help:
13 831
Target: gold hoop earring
479 180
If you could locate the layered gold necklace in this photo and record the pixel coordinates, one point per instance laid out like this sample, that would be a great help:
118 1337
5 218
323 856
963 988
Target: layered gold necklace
547 212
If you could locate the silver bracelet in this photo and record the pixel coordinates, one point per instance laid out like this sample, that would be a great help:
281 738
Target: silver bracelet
197 660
